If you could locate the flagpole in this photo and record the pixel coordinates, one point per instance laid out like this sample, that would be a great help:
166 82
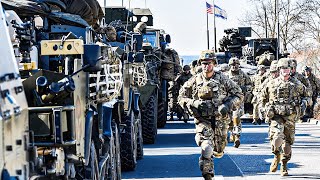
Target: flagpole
208 44
215 29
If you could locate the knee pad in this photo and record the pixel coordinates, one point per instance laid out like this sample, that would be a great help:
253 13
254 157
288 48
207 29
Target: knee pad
206 150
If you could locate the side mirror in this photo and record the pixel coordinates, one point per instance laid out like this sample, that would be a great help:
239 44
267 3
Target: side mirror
168 38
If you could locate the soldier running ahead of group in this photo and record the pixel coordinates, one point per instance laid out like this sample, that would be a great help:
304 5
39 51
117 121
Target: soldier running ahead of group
242 80
210 95
283 96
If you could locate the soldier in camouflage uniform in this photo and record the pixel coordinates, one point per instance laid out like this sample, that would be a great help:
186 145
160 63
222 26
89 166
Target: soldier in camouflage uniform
257 81
272 74
315 86
210 95
304 81
178 83
242 80
284 96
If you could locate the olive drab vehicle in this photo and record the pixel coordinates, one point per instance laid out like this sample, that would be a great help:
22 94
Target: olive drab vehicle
153 92
163 65
75 92
14 136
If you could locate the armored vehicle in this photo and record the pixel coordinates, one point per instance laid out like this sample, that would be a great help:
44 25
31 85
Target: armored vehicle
14 138
74 86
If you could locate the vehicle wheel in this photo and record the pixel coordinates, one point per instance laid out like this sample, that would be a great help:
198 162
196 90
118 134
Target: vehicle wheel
139 137
162 113
129 144
149 120
109 168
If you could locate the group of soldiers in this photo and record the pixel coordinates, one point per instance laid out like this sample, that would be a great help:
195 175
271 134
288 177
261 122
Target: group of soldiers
216 101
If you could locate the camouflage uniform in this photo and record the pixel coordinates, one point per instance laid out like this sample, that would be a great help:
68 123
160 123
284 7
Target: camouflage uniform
283 99
178 83
209 99
307 84
272 74
257 81
242 80
315 86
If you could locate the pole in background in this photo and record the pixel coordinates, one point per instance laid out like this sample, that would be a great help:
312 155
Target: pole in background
215 28
208 44
265 20
276 8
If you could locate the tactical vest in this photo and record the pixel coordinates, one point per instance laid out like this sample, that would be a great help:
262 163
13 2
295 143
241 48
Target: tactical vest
211 89
238 78
283 97
258 80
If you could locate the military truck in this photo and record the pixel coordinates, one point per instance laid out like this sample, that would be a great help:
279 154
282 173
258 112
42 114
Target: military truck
14 125
74 87
153 95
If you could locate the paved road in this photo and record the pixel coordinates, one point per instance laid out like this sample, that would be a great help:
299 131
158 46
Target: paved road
175 155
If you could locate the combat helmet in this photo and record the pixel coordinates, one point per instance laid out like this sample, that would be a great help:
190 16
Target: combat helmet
234 60
273 66
284 63
186 68
207 55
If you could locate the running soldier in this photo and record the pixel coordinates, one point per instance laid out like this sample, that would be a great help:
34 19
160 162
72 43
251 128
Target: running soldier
315 85
242 80
284 96
210 96
257 81
178 83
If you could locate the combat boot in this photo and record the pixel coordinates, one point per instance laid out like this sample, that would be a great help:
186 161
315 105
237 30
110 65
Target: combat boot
206 166
275 163
284 168
185 118
207 176
254 122
236 141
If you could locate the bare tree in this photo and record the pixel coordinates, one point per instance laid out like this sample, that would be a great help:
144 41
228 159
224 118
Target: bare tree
264 15
311 18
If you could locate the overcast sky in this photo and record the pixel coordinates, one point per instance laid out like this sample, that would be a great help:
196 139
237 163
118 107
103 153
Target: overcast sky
185 20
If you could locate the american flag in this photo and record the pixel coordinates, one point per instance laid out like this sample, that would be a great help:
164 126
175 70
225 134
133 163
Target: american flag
209 8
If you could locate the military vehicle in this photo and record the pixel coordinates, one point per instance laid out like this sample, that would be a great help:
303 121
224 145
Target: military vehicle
79 91
14 138
153 94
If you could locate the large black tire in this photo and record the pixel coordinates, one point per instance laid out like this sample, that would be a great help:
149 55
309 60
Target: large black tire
149 120
139 137
129 144
162 113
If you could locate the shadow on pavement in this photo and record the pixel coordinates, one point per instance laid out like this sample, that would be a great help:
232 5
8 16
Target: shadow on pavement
173 166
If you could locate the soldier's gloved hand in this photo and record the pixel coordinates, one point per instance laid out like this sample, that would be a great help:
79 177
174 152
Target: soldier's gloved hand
223 110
